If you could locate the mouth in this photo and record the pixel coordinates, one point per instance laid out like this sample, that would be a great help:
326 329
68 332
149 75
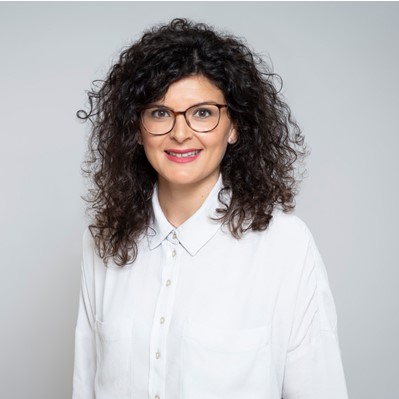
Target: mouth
182 156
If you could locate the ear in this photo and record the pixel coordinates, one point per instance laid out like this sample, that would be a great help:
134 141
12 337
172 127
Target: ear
233 136
140 138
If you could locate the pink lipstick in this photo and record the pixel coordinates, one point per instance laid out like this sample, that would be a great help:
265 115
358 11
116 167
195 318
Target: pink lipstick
182 156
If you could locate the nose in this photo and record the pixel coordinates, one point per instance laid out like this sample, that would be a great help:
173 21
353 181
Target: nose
181 131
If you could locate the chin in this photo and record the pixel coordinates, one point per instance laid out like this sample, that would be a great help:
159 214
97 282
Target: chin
182 176
180 179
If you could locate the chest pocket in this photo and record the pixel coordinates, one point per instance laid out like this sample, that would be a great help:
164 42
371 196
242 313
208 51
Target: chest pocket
114 359
224 363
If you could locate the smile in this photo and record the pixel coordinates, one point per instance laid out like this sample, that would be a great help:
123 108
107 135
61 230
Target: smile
183 154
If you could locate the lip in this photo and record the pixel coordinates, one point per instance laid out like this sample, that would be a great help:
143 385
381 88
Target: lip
180 159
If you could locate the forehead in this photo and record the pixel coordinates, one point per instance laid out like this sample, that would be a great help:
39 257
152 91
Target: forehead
192 90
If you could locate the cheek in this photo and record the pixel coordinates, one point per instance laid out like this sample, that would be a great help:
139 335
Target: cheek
216 154
219 145
151 152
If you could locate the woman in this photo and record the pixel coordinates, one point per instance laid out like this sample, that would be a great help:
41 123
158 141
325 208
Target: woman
196 281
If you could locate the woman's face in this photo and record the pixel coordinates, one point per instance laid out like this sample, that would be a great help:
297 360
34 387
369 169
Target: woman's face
183 156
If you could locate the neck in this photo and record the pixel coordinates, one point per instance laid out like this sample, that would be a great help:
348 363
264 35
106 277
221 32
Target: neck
180 201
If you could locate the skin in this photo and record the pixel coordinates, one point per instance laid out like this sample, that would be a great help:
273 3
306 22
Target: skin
183 187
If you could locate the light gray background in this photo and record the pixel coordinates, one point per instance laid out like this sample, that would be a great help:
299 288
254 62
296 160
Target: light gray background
340 66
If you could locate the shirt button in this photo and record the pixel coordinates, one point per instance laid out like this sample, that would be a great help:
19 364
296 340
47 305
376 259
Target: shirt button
174 253
168 283
162 320
157 355
157 397
174 235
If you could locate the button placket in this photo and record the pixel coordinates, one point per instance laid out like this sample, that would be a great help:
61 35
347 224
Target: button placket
162 317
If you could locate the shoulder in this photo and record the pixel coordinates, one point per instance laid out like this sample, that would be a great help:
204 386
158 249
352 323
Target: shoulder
88 245
287 219
87 238
288 228
92 265
290 242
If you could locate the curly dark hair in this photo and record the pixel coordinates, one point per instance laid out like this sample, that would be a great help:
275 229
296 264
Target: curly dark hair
258 169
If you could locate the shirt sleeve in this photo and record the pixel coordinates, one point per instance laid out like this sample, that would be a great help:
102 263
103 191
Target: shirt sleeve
313 367
85 353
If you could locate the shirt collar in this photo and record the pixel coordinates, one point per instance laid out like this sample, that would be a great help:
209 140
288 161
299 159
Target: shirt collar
196 231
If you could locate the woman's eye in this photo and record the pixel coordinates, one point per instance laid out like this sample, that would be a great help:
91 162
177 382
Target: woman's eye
160 113
202 113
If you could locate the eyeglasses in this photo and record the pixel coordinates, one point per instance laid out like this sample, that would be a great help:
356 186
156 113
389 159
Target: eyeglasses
202 118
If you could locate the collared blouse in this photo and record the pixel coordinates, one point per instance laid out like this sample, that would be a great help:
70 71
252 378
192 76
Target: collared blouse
203 315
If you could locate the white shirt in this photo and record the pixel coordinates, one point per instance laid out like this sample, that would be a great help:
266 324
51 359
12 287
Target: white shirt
202 315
